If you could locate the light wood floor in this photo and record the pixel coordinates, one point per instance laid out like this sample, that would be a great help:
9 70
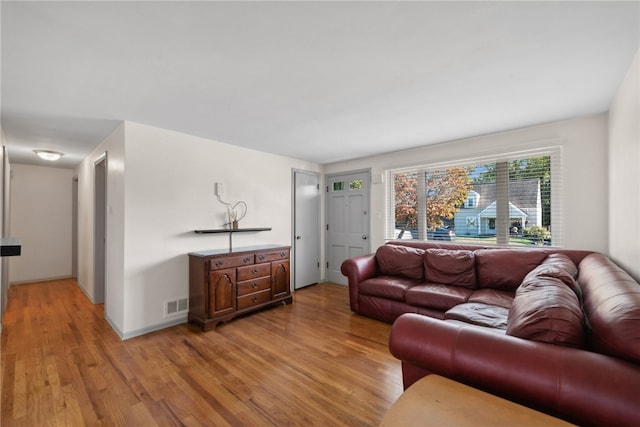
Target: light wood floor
310 363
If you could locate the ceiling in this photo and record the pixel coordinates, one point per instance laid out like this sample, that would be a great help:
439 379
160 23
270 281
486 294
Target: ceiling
319 81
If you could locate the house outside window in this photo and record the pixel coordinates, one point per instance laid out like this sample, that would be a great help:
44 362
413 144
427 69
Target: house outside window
503 201
472 199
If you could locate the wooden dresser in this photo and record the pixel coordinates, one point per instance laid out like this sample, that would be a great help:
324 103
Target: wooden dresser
224 284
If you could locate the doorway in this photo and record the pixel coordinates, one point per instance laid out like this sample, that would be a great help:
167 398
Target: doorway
347 220
74 227
100 230
306 229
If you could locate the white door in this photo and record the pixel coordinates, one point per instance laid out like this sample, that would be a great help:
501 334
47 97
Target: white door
347 221
306 227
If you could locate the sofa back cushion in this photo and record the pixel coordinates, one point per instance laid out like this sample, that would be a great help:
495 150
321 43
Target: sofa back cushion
450 267
611 303
505 268
562 262
546 309
400 261
558 266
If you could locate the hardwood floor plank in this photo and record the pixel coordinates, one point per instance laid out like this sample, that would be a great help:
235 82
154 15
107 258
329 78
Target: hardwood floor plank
19 390
309 363
70 413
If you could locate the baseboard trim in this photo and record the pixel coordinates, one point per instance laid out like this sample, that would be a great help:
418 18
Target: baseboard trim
50 279
84 291
143 331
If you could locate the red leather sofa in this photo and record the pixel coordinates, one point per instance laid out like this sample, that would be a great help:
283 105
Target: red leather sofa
556 330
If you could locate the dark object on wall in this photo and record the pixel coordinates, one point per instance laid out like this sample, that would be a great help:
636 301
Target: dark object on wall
10 247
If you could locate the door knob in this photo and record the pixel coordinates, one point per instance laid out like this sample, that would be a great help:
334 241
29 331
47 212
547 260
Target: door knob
298 237
364 237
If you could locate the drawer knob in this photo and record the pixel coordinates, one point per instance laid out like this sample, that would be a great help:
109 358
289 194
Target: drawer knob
254 299
246 259
254 271
219 263
282 254
254 285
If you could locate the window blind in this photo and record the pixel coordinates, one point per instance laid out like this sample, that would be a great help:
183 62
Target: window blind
514 198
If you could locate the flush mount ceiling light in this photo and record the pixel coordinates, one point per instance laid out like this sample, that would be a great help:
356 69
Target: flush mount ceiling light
48 154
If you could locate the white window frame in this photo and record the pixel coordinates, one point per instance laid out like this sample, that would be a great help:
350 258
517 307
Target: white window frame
557 211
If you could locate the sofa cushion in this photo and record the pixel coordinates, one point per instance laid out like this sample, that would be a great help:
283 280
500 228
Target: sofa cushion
479 314
450 267
552 270
384 309
437 295
563 262
492 297
401 261
611 301
505 268
387 287
547 310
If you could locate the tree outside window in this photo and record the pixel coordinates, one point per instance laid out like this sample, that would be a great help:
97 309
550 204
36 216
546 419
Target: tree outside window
428 198
445 191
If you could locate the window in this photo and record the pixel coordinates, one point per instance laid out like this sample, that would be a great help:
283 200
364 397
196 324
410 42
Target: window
472 199
506 200
355 184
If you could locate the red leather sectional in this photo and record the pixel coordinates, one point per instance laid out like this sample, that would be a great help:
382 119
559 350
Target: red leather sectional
556 330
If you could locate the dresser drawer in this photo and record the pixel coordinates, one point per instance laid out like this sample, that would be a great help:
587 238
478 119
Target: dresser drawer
272 256
250 286
254 299
253 271
228 262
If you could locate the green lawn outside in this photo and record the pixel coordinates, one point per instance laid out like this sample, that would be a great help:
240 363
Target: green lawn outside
515 241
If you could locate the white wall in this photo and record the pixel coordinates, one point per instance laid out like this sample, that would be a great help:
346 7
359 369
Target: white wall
41 218
585 176
167 181
4 283
113 145
624 181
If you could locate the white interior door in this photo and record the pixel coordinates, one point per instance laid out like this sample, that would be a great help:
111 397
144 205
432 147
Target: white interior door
347 221
306 243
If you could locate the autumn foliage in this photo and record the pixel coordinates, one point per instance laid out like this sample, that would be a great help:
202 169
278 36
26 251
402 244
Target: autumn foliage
445 192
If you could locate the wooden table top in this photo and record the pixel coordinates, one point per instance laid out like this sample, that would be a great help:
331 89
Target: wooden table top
438 401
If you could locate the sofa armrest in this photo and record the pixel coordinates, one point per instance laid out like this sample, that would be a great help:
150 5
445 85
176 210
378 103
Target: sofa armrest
358 269
577 385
